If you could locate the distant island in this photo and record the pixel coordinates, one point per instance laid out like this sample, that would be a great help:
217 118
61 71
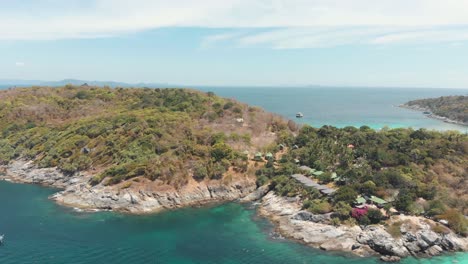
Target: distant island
451 109
393 192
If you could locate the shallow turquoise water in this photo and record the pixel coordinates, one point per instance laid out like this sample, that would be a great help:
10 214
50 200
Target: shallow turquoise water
340 107
39 231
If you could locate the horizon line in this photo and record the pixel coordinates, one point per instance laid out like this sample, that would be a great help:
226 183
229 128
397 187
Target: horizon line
173 85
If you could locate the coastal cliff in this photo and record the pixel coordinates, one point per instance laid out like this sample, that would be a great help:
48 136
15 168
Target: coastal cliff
143 196
415 235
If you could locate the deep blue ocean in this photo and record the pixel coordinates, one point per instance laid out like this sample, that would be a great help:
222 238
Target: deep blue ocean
39 231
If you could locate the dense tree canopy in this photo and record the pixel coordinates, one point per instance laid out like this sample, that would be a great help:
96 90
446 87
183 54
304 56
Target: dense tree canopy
419 171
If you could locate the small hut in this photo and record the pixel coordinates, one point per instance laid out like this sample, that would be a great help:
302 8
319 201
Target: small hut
360 201
317 173
377 201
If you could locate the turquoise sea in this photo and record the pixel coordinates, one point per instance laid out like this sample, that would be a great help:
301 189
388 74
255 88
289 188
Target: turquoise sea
39 231
344 106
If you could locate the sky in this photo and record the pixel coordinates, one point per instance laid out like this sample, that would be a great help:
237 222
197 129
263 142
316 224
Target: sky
402 43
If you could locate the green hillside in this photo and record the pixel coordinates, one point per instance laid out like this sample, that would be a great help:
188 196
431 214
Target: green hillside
118 134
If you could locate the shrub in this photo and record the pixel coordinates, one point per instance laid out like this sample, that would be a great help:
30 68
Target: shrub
321 207
345 194
456 221
364 220
325 177
261 180
221 151
368 188
404 200
83 95
436 207
217 171
228 105
237 110
357 213
335 221
342 210
200 172
375 216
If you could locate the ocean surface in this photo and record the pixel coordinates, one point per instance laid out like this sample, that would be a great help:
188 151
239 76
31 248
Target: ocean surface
39 231
340 107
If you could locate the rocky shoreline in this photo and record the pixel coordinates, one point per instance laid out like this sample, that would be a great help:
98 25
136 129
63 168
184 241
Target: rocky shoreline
143 196
417 237
441 118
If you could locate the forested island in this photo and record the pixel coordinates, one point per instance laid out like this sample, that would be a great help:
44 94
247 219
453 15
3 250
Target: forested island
452 109
394 192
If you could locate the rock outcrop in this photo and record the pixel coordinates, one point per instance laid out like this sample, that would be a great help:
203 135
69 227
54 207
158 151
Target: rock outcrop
142 196
382 242
257 194
417 237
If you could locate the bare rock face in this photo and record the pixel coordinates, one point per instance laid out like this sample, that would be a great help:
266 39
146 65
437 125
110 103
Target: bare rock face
27 172
381 241
308 216
144 197
257 194
420 240
454 243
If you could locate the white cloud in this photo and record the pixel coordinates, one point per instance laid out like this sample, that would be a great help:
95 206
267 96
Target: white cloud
317 37
222 37
19 64
299 23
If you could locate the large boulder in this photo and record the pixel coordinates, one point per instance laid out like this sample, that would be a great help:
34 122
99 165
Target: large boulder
434 250
430 237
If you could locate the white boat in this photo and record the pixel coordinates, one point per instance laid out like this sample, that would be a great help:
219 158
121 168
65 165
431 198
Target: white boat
1 239
299 115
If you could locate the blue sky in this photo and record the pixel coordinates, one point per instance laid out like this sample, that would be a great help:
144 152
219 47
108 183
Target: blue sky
411 43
